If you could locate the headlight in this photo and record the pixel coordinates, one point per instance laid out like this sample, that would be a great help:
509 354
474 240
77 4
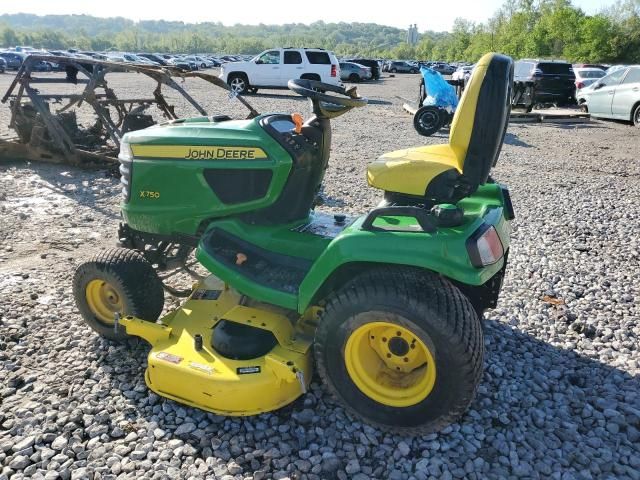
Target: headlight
125 151
484 246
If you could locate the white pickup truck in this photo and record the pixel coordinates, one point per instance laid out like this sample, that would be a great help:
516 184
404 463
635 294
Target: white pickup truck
274 68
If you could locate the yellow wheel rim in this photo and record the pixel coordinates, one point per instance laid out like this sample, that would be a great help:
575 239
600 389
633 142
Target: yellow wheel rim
390 364
103 300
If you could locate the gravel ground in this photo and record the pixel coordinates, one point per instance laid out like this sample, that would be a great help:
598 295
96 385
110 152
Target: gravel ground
560 397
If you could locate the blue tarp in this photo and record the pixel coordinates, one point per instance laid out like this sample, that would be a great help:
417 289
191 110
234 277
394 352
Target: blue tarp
439 92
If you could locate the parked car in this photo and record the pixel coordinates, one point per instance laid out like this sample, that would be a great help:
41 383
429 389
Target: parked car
587 76
42 66
462 73
183 64
3 65
131 58
13 59
554 80
154 57
274 68
215 61
354 72
367 62
204 62
113 57
591 65
199 62
615 96
614 68
443 68
402 67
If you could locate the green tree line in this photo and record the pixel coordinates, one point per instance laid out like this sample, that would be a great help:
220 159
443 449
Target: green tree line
521 28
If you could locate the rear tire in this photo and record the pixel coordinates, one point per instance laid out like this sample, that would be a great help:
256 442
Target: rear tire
117 280
238 83
636 116
428 120
413 306
354 78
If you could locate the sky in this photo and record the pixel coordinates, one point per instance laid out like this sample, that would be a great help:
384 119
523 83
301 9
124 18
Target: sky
428 15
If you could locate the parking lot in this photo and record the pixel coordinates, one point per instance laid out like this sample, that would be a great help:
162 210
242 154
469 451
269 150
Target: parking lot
559 397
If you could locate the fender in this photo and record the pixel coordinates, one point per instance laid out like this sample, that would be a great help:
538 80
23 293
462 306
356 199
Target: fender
443 252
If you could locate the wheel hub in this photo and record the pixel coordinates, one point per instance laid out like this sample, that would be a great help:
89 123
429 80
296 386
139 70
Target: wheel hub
390 364
428 119
103 300
398 346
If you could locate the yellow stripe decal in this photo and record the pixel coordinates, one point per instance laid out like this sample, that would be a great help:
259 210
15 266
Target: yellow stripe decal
198 152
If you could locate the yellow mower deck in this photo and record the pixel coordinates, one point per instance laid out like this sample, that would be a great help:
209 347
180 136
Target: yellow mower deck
205 379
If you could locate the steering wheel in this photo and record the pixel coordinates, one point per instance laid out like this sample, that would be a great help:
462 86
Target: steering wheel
326 105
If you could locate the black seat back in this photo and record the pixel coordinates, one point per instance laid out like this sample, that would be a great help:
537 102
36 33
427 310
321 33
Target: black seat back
480 122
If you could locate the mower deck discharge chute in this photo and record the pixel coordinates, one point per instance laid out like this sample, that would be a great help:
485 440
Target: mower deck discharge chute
388 304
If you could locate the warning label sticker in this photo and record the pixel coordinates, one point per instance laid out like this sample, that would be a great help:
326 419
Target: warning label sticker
202 294
247 370
168 357
201 367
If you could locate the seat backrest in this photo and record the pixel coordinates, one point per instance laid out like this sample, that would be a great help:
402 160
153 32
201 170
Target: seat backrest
480 122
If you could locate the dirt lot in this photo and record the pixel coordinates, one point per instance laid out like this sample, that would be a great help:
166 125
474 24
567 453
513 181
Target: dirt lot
559 397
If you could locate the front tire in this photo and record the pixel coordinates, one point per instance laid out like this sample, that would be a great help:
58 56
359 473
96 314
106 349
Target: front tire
636 116
401 349
118 280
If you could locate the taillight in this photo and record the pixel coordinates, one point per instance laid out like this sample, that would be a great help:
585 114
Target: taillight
579 85
484 246
334 70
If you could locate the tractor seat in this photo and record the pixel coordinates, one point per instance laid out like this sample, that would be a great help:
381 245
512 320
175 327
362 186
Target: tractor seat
447 173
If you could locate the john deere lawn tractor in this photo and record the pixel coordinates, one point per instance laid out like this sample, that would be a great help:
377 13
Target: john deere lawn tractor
386 306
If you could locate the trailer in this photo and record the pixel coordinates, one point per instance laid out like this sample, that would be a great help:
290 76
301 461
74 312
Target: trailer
45 125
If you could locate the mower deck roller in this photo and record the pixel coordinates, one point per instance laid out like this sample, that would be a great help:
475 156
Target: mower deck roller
184 365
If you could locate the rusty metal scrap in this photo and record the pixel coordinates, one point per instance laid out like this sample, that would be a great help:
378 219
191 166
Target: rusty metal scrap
45 135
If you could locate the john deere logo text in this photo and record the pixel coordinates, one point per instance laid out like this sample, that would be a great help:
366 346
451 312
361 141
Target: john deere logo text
221 153
198 152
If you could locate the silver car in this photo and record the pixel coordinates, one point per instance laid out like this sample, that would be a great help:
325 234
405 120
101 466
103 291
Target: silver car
616 96
354 72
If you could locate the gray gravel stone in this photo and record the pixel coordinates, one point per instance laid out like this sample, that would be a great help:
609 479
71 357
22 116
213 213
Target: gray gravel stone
19 462
353 466
185 428
24 444
59 443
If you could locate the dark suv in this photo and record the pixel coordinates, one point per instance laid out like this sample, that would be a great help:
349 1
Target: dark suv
554 80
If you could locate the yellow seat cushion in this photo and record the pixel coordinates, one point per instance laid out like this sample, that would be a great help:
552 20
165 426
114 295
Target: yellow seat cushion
410 170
